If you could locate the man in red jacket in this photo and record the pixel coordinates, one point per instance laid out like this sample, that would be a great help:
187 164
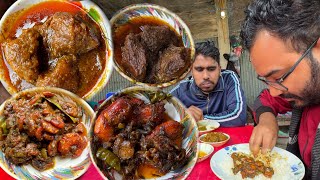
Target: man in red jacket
283 40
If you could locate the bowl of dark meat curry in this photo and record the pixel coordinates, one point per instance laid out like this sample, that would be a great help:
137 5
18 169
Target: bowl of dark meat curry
57 43
142 133
153 46
43 134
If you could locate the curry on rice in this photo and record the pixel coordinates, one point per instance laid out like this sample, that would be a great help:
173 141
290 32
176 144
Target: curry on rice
250 167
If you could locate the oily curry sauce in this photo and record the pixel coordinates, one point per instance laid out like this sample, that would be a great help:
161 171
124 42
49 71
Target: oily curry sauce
36 13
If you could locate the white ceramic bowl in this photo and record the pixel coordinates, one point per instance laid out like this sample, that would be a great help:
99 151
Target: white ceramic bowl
124 16
215 144
64 168
176 111
92 10
209 126
205 150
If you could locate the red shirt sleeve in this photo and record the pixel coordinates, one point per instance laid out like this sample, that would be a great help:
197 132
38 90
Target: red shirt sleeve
267 103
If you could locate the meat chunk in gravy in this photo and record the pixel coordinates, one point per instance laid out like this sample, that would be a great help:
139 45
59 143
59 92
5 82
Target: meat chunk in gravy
155 38
172 63
154 55
90 67
21 54
134 60
64 34
63 73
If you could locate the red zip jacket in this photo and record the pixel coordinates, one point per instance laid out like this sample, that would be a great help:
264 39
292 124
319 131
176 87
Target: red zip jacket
309 121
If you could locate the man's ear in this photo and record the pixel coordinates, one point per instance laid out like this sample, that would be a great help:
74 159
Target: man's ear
318 43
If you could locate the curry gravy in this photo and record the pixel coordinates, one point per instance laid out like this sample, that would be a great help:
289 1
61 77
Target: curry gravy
35 14
133 26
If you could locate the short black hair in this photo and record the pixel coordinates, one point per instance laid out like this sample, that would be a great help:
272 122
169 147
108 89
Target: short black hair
208 49
294 21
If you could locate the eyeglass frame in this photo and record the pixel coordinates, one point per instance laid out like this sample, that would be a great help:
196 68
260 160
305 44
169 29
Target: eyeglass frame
285 75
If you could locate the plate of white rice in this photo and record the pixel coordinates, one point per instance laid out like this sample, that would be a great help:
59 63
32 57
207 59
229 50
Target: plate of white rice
286 166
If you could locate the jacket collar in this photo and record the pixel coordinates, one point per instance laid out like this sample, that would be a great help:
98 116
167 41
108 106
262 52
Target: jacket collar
197 91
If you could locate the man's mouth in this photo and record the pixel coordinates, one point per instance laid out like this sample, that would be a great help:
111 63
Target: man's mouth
206 84
290 99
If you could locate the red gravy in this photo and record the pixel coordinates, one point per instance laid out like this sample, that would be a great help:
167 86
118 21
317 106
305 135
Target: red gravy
35 14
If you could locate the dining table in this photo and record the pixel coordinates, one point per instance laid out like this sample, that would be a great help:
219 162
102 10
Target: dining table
201 170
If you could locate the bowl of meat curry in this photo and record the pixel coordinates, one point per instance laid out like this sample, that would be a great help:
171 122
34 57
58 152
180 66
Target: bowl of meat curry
57 43
43 134
143 133
153 46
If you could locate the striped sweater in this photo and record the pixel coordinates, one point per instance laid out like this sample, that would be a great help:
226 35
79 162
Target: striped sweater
226 103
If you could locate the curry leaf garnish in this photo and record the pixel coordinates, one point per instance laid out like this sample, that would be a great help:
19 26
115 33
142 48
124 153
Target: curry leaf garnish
66 105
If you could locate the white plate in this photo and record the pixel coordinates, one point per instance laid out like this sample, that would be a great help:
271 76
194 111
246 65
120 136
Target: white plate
289 168
210 125
206 148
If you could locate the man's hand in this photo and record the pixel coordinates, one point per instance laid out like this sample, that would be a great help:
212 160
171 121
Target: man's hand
195 112
265 134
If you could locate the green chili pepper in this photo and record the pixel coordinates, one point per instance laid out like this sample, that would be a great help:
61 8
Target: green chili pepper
109 158
44 153
121 125
158 96
3 126
19 154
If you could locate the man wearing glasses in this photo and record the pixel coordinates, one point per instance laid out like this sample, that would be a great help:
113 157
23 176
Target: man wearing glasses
283 39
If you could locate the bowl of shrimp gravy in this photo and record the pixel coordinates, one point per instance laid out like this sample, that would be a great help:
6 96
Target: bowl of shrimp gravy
153 46
43 134
56 43
142 133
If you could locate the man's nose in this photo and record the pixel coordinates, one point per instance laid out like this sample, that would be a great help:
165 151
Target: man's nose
205 74
274 91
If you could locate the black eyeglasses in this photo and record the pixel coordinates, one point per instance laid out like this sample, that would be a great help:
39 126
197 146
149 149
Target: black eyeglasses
277 83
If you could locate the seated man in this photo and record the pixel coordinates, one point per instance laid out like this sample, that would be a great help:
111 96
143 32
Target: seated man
212 93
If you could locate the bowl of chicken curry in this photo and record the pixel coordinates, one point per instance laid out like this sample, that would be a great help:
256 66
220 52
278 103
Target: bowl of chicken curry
142 133
57 43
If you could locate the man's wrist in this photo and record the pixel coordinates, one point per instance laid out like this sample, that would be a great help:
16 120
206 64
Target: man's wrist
261 110
268 118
